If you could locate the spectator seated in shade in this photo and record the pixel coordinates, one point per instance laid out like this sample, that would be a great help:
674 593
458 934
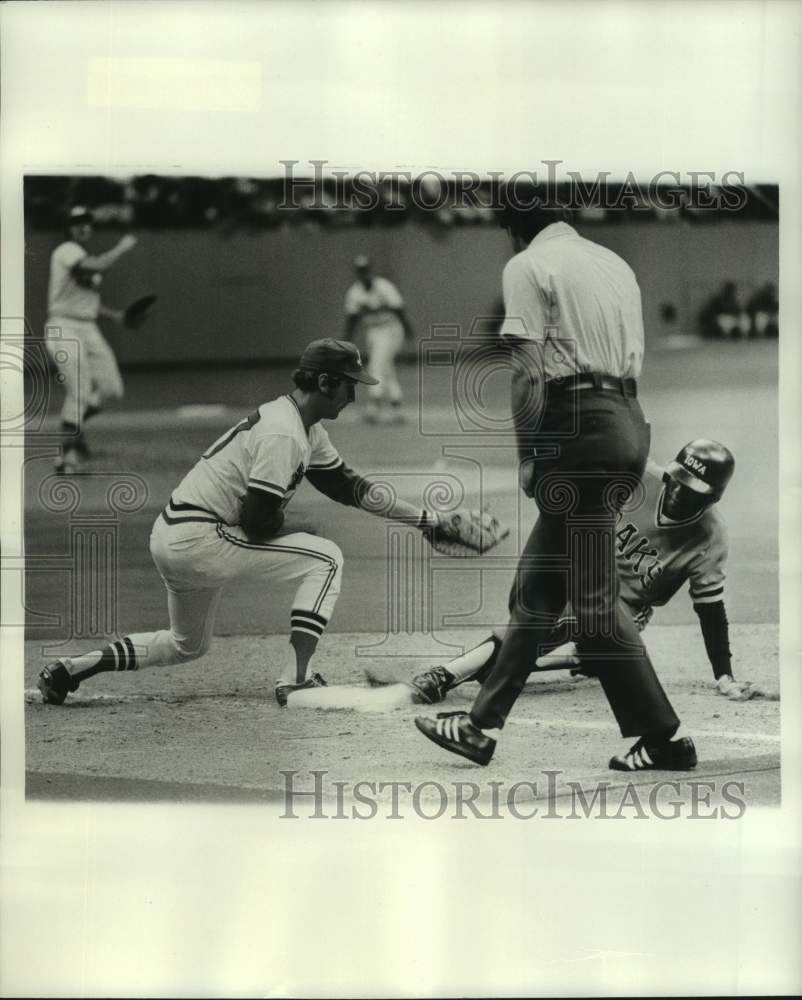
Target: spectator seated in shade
724 316
763 308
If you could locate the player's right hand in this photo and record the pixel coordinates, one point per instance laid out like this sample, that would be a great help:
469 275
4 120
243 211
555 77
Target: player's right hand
526 477
736 690
128 242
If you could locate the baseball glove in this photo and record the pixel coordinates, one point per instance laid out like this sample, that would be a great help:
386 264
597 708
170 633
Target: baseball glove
136 314
463 533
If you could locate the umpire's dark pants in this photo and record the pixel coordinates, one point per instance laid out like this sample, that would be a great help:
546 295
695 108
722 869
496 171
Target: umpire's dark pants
570 555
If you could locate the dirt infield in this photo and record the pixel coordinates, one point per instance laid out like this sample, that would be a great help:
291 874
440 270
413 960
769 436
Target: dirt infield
211 731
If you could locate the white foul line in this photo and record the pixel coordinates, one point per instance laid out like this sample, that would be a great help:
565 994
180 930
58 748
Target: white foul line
711 733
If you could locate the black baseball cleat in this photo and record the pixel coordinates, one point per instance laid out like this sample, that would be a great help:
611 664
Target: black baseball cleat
283 691
431 686
80 445
454 731
667 755
55 682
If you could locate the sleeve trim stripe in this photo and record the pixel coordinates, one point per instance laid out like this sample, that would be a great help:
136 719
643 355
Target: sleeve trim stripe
265 488
333 464
710 599
265 482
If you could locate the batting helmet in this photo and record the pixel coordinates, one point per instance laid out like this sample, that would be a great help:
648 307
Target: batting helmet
703 466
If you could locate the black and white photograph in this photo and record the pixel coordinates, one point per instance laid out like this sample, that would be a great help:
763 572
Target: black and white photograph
400 499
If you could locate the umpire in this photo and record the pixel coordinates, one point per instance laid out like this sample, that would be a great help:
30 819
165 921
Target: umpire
574 324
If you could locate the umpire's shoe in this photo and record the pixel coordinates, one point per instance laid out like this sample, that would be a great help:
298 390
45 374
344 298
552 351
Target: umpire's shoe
283 691
454 731
55 682
431 686
666 755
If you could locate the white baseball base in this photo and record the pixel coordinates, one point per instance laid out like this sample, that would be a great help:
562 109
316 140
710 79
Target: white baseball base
343 698
560 656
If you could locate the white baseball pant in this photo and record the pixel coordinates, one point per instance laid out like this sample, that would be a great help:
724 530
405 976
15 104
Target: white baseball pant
761 321
196 559
383 344
730 325
86 363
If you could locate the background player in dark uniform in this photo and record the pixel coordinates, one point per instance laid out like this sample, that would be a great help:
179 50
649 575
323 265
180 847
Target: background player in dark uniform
724 315
763 308
574 325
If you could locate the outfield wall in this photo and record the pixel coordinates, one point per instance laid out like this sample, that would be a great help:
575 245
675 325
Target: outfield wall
263 295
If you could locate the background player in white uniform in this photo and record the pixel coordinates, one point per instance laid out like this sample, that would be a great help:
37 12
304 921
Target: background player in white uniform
675 536
73 340
226 521
374 310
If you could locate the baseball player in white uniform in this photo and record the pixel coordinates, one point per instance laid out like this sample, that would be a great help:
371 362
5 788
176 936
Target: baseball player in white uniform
374 309
226 520
79 350
672 537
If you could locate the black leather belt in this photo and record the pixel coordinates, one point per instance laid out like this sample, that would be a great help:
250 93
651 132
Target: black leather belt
594 380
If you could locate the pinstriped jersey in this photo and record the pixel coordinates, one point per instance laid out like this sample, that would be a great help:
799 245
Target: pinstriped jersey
268 451
655 556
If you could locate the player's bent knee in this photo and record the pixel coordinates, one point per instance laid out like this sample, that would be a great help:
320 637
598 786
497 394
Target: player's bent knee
186 652
329 550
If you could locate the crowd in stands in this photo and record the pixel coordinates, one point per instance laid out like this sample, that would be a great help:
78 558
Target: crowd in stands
235 203
728 316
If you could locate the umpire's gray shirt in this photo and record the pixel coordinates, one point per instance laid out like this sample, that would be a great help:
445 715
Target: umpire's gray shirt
580 300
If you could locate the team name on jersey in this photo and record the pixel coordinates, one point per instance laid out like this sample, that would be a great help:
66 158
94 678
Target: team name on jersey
696 465
297 476
635 548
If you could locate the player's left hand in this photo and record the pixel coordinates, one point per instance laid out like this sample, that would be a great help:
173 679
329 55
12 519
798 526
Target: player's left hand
463 532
